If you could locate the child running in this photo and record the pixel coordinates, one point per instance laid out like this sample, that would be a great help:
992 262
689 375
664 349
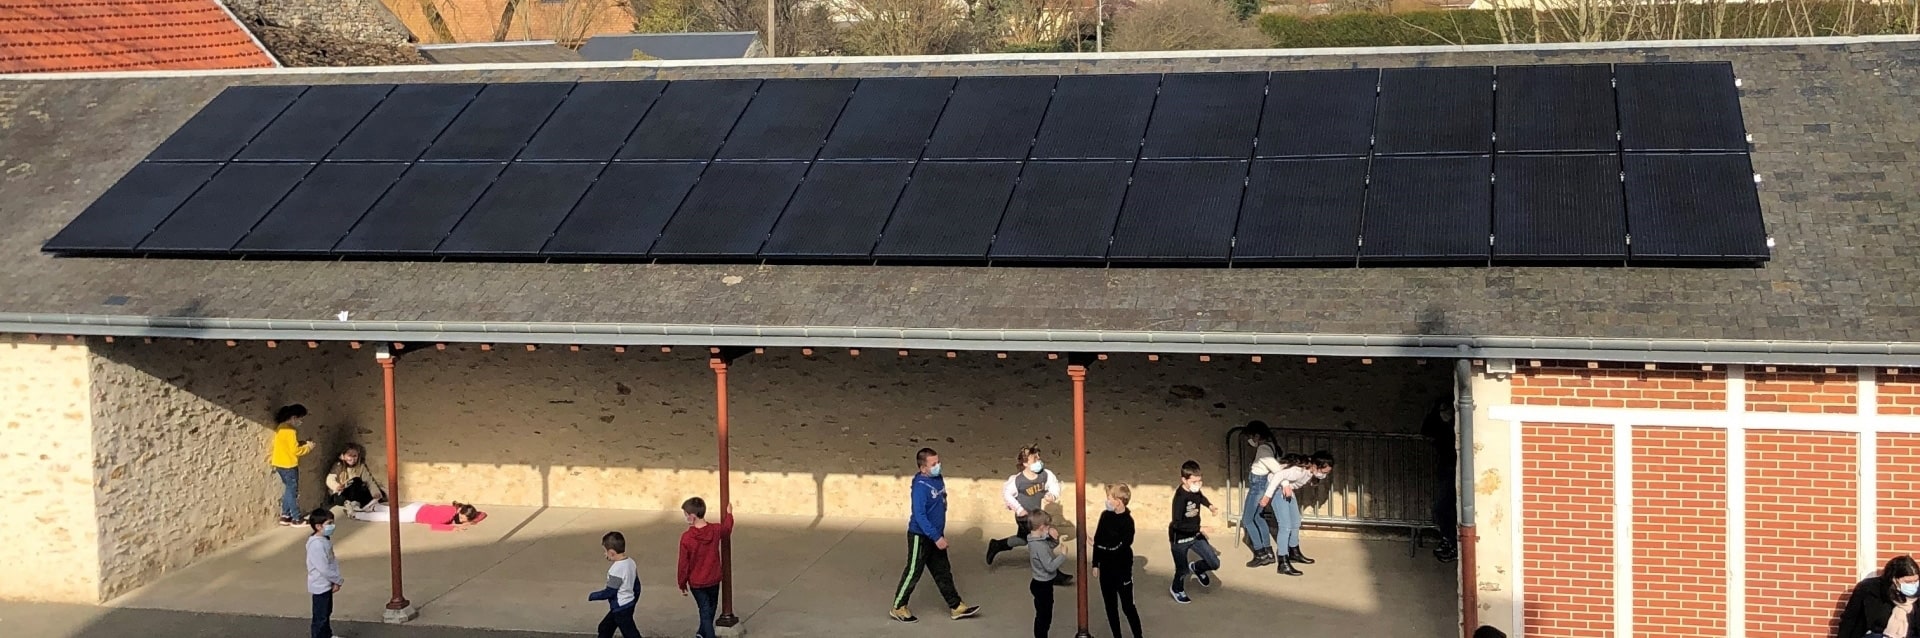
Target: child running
700 560
1044 552
622 590
323 571
1185 535
1259 491
1113 559
927 542
1296 472
285 458
1026 492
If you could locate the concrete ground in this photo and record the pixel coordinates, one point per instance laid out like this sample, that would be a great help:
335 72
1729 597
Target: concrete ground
530 570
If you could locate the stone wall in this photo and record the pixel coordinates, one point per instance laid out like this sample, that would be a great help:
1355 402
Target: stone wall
180 441
328 32
48 538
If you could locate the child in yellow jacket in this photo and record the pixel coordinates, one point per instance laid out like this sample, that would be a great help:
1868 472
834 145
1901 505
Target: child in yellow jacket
287 450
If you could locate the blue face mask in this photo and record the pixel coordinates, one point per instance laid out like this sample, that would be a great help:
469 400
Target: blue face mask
1909 589
327 530
1036 466
934 471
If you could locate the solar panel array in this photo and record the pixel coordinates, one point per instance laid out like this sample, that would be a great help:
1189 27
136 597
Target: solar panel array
1625 163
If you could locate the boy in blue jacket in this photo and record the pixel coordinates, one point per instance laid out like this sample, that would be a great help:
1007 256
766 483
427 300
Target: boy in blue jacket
622 590
927 542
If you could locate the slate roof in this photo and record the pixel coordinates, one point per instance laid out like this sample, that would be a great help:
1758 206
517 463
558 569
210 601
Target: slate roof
1835 129
669 46
498 52
109 35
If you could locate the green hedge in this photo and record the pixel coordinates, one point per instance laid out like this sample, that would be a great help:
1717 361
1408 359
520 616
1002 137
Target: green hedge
1789 18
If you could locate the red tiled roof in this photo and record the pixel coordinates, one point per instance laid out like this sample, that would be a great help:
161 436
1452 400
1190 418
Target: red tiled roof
120 35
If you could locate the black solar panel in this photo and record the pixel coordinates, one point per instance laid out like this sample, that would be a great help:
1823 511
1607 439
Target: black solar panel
1206 115
622 215
948 211
1097 117
223 210
1556 108
1180 212
1690 106
499 121
1559 207
309 129
730 211
128 211
312 218
1062 211
888 118
1318 113
406 123
1435 110
1696 207
1428 209
689 120
991 118
418 211
522 209
593 122
1301 210
788 119
226 124
839 211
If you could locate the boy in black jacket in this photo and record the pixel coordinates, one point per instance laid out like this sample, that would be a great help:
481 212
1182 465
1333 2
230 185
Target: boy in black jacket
1113 550
1185 535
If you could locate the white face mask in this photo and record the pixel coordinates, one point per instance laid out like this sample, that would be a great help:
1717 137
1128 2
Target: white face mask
1195 487
1909 589
1319 475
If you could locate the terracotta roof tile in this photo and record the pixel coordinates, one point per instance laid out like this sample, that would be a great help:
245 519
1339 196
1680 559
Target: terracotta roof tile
103 35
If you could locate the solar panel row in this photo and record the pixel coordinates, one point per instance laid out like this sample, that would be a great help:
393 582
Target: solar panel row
1426 165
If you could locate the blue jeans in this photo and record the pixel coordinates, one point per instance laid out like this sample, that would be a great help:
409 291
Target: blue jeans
290 495
1287 512
1256 525
323 615
707 599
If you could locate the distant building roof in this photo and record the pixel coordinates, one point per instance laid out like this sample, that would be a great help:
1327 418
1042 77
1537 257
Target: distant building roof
672 46
498 52
102 35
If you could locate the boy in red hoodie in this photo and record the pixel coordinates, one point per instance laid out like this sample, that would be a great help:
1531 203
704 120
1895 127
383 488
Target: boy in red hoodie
700 560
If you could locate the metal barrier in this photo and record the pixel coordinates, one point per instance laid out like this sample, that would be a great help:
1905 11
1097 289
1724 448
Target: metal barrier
1378 480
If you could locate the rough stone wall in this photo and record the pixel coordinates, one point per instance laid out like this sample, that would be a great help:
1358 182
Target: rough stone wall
328 32
1494 515
180 442
834 435
48 537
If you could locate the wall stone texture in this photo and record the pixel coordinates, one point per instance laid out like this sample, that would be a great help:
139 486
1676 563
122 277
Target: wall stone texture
48 537
328 32
184 426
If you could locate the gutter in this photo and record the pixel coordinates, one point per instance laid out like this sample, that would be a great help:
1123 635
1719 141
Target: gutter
1158 342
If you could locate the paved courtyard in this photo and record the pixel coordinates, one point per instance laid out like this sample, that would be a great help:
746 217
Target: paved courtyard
530 569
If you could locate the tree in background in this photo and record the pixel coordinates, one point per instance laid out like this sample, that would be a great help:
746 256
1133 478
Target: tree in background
1183 25
805 26
906 27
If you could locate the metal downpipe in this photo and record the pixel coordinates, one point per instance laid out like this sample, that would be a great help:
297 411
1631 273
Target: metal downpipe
1469 569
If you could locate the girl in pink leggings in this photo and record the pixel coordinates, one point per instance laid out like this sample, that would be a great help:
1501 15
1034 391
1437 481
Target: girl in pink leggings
440 518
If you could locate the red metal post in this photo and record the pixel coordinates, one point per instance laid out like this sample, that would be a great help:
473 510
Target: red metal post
1470 581
399 600
1079 375
726 619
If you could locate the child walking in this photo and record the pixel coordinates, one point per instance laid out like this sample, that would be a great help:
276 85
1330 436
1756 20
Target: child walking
1043 544
622 590
700 560
1025 492
323 571
927 542
1113 559
285 458
1259 491
1186 537
1296 472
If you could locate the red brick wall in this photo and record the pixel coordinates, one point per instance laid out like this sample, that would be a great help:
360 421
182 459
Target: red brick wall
1803 392
1899 490
1802 522
1679 532
1899 393
1567 518
1619 386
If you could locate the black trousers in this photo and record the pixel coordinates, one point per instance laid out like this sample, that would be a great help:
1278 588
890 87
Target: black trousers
356 491
1445 497
923 556
1019 537
1116 590
1042 606
621 619
323 615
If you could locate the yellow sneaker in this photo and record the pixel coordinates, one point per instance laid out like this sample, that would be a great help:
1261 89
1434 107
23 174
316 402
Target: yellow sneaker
901 614
964 610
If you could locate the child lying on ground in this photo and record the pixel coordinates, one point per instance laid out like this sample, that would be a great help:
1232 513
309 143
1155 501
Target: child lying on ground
441 518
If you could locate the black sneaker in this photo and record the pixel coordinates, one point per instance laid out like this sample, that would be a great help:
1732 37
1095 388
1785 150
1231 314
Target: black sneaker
1179 596
1206 580
1447 553
994 547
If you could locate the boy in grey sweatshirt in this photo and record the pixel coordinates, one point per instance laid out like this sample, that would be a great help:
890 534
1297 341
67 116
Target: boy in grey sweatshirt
1043 548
